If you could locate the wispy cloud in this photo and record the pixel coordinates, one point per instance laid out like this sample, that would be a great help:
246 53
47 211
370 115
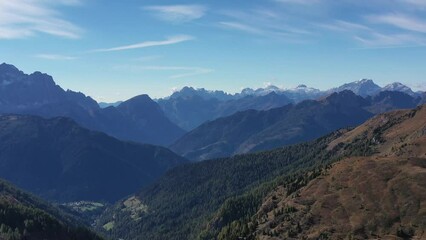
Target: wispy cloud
178 13
54 57
374 24
344 26
388 47
148 58
417 3
66 2
387 40
303 2
241 27
266 23
181 72
25 18
374 37
419 86
168 41
401 21
187 71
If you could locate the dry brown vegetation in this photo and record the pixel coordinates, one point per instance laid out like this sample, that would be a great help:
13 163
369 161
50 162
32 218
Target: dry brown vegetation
382 196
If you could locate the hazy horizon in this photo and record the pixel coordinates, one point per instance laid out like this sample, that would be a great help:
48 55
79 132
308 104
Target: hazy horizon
264 86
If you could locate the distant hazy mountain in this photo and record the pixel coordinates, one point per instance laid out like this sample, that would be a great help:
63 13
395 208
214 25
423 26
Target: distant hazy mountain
190 111
261 130
190 107
363 87
59 160
260 91
203 93
390 100
262 102
423 98
23 216
37 94
398 87
105 104
367 87
297 94
302 92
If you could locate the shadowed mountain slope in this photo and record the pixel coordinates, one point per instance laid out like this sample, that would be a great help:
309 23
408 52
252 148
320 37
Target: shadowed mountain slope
191 110
259 130
59 160
251 131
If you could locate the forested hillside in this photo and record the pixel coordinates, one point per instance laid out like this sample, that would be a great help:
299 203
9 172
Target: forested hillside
181 204
23 216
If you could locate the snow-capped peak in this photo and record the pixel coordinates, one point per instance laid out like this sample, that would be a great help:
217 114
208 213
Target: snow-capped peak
363 87
399 87
364 81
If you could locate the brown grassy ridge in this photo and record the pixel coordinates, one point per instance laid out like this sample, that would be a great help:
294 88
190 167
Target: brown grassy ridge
382 196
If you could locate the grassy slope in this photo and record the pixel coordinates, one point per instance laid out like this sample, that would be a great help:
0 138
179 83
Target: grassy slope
383 195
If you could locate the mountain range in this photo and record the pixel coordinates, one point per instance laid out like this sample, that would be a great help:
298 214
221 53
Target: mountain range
189 111
138 119
162 121
189 107
253 130
61 161
105 104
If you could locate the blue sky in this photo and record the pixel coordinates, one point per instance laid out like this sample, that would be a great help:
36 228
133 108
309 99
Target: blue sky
113 50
